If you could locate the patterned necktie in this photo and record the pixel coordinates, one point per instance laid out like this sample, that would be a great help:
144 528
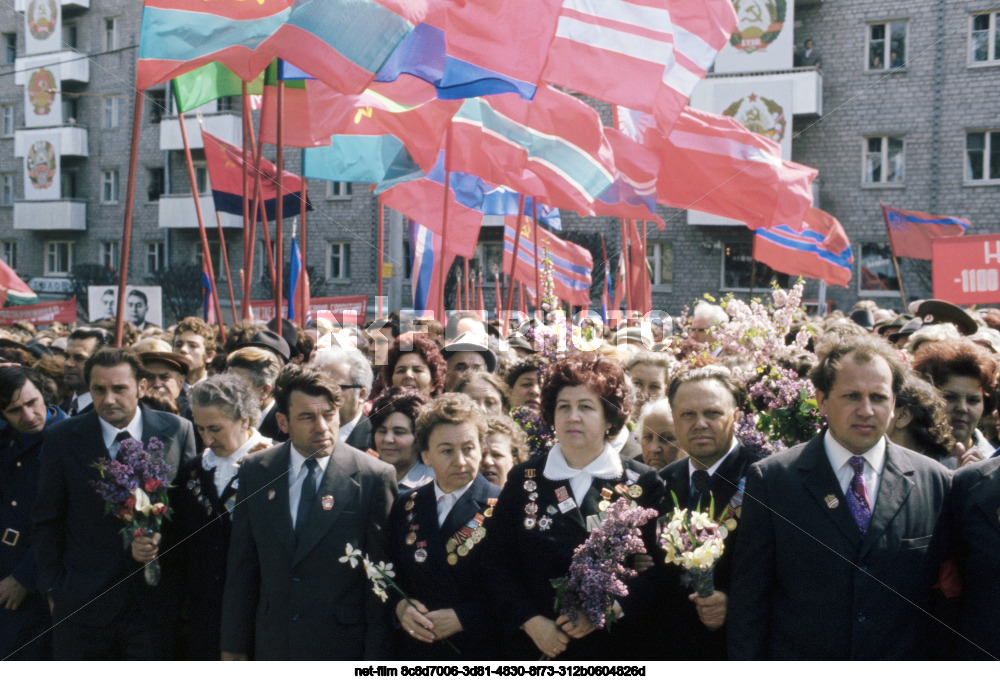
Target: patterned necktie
857 496
306 497
699 485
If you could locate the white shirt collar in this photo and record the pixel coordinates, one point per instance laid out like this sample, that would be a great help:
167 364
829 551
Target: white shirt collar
840 456
717 464
456 494
418 475
110 432
607 465
209 461
264 411
297 460
618 441
83 400
347 428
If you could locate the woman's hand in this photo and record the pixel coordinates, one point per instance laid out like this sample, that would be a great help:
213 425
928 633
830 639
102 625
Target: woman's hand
547 636
415 621
965 457
576 629
445 623
145 548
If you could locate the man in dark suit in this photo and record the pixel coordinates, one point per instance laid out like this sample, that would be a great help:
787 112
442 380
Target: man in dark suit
842 538
288 595
101 605
705 404
975 525
80 346
24 614
351 370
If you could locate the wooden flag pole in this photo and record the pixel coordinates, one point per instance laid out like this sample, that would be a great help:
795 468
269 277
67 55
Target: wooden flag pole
465 275
628 273
539 314
304 273
513 265
279 235
127 226
482 302
258 154
381 256
245 276
225 261
895 262
444 226
206 252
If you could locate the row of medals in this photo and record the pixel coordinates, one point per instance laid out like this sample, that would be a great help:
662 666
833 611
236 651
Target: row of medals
531 520
194 486
460 543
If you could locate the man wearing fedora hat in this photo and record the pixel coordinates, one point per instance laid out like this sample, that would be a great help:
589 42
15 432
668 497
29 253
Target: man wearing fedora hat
167 372
467 354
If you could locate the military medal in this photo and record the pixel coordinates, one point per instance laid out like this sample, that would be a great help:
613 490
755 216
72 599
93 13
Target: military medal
531 509
603 506
533 496
723 531
605 502
544 524
327 502
411 538
452 559
634 491
529 523
832 502
551 510
530 485
409 505
451 545
270 494
420 555
190 484
529 474
731 524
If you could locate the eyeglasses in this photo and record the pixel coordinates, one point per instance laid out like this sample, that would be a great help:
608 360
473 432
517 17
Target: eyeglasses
351 387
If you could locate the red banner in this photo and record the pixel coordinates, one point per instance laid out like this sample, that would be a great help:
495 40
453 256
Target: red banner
966 269
354 307
63 311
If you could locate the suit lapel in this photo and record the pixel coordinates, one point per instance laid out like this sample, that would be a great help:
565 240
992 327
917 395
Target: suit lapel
339 486
893 489
276 479
822 483
986 493
677 482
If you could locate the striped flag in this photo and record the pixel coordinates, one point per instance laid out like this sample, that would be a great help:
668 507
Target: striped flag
821 251
427 256
297 276
644 54
572 264
608 295
910 232
210 82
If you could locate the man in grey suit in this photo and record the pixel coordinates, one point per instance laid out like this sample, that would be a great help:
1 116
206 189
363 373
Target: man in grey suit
102 607
288 596
842 538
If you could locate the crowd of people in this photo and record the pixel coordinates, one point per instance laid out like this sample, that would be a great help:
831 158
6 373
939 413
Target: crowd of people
410 490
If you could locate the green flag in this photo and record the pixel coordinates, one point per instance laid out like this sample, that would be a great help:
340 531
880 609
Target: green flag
208 83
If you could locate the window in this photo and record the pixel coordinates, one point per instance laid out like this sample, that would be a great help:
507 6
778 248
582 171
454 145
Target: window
71 109
8 253
157 105
660 258
58 258
984 38
68 183
200 177
338 189
7 188
737 264
982 156
109 193
154 256
10 47
109 254
111 33
70 35
883 160
218 263
489 254
878 275
338 260
260 258
886 45
157 184
230 104
112 112
8 120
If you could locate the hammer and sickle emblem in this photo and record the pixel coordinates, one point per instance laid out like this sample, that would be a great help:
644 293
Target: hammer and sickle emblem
365 112
525 228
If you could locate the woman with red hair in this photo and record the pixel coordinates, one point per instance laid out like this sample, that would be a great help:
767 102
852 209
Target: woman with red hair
415 361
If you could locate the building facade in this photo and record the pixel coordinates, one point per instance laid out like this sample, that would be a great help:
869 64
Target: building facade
898 104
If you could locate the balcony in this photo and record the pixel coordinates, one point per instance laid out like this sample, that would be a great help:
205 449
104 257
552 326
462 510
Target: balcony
21 5
65 215
69 140
69 67
226 125
176 211
806 82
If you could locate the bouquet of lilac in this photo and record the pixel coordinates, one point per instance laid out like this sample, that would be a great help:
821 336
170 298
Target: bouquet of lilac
597 573
539 435
134 488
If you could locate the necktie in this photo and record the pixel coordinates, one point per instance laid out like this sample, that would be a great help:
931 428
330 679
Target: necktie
445 504
116 445
857 495
306 497
699 485
74 406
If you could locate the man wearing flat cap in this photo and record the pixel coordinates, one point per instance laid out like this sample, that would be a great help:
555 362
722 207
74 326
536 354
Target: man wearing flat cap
467 354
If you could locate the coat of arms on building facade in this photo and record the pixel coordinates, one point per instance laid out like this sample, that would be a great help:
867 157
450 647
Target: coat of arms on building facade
42 18
759 114
41 164
760 23
42 91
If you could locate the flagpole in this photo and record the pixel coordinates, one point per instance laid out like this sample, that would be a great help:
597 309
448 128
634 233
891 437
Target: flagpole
303 272
538 264
225 261
444 219
458 288
497 294
895 263
245 276
465 275
381 255
127 226
513 265
753 266
628 273
206 252
279 211
482 303
258 154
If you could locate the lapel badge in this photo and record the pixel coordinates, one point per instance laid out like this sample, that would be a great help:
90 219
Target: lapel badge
529 523
832 502
409 505
420 555
530 485
731 523
634 491
327 502
544 524
529 474
411 538
271 493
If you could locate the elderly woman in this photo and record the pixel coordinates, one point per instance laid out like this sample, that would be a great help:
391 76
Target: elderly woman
414 360
224 407
920 421
550 504
393 418
966 376
505 447
657 438
434 540
487 390
525 384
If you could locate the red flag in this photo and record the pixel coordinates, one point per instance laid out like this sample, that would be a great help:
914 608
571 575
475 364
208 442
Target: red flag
640 285
572 264
644 54
620 282
719 167
13 288
910 232
821 251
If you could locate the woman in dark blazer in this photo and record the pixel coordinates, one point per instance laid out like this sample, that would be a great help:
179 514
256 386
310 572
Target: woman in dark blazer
435 535
223 408
548 508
